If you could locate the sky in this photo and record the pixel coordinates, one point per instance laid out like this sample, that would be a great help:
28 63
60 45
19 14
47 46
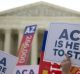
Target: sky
9 4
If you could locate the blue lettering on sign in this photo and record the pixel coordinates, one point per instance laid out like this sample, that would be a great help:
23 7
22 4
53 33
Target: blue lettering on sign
25 71
61 52
3 68
31 72
30 29
18 72
73 45
3 61
72 35
64 35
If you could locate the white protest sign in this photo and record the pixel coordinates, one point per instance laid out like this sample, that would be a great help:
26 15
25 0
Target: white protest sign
7 63
26 69
63 38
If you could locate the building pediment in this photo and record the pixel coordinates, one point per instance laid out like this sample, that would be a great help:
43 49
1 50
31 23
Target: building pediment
40 9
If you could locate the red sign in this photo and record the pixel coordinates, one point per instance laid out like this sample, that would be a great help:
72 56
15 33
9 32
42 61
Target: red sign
47 67
25 46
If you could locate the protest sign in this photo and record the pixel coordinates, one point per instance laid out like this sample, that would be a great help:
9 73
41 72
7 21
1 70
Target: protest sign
7 63
25 46
26 69
63 38
46 67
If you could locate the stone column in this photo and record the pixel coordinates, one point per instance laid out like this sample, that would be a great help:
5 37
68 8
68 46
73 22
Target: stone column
20 35
34 50
7 41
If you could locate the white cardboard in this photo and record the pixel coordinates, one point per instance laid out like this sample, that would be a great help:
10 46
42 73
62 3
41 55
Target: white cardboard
54 33
26 69
7 63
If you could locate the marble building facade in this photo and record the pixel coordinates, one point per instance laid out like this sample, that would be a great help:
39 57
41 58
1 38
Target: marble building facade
13 22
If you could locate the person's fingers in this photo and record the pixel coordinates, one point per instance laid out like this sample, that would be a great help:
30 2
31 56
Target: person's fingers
66 61
67 57
65 64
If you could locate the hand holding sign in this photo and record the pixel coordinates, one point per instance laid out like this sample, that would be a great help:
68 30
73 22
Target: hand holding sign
66 65
63 38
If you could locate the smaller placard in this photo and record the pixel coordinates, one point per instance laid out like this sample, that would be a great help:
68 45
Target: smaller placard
7 63
26 69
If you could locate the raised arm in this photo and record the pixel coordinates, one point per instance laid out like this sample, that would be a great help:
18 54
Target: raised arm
66 65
